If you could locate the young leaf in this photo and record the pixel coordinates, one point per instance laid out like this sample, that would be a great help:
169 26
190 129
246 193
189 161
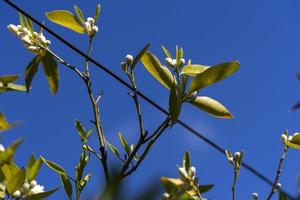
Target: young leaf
12 87
9 78
81 130
212 75
4 125
211 106
21 18
124 143
136 156
65 19
9 171
51 71
31 161
79 14
167 53
113 149
30 71
55 167
186 162
67 185
16 181
97 13
161 73
139 55
205 188
34 169
193 70
175 102
41 195
29 25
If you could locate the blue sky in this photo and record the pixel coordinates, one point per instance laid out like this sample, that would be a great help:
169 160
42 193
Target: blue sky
263 35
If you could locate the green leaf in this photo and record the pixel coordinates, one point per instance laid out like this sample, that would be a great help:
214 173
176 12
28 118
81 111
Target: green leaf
169 186
161 73
65 19
67 185
205 188
55 167
97 13
4 125
139 55
124 143
21 18
34 169
166 51
211 106
79 14
9 78
186 162
136 155
41 195
29 25
113 149
9 170
81 130
212 75
31 70
9 152
282 196
16 181
30 161
193 70
51 70
12 87
175 102
89 133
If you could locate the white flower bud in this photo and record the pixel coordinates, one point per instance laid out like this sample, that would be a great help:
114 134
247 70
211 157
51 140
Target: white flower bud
90 20
25 30
169 61
88 27
12 28
192 172
48 42
26 186
237 154
283 138
95 29
183 174
254 195
37 189
181 61
41 38
278 186
33 49
26 40
193 96
165 196
174 62
19 27
33 183
129 59
123 66
290 138
17 193
2 149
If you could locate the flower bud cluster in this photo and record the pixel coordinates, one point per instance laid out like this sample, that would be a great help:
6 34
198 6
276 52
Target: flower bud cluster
90 26
187 175
173 62
127 62
28 189
32 41
285 138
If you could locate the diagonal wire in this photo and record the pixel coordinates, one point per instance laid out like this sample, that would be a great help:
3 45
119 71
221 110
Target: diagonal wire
142 95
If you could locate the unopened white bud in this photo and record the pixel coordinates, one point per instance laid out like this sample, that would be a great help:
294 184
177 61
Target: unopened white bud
181 61
278 186
283 138
290 138
26 186
2 149
192 172
87 26
17 193
95 29
237 154
33 183
12 28
19 27
169 61
254 195
41 38
183 174
193 96
33 49
26 40
128 59
165 196
123 66
48 42
90 20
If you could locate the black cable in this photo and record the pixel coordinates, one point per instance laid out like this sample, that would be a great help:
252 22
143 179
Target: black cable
154 104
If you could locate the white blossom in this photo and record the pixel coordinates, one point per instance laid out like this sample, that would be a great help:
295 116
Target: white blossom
37 189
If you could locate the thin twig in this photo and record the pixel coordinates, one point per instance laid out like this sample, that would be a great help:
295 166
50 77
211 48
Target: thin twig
234 183
278 173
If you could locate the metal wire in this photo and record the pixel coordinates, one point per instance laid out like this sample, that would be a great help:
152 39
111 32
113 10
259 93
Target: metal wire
142 95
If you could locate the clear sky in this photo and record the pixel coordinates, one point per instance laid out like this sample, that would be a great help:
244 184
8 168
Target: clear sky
263 35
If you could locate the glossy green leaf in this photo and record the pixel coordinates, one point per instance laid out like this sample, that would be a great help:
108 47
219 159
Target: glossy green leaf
97 13
161 73
186 162
51 71
139 55
21 19
212 107
212 75
79 14
175 102
113 149
55 167
9 170
124 143
31 70
67 185
16 181
9 152
29 25
293 145
34 169
166 52
193 69
65 19
205 188
9 78
41 195
80 129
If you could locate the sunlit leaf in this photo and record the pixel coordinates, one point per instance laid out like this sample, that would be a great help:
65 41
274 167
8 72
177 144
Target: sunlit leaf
80 129
16 181
4 125
211 106
124 143
139 55
55 167
29 25
166 51
51 71
161 73
193 69
136 156
9 78
41 195
21 19
9 170
79 14
175 102
205 188
67 185
34 169
12 87
212 75
186 162
113 149
97 13
31 70
66 19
